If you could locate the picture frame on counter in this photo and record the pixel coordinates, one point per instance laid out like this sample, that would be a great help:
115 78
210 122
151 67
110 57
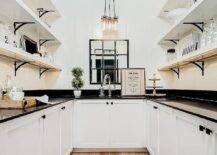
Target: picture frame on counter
133 82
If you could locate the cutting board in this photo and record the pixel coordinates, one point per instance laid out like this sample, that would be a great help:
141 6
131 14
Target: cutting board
28 102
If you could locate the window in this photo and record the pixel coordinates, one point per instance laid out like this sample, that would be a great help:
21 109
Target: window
108 57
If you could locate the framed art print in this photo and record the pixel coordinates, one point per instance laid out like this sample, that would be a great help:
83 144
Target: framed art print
133 82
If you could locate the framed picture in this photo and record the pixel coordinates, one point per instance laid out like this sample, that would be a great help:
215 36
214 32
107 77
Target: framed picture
133 82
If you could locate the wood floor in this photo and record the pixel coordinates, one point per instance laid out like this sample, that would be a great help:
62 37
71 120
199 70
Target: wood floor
110 152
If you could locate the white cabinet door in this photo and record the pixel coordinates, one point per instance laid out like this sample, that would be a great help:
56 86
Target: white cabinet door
51 134
191 141
153 125
211 143
211 138
147 124
23 136
91 124
127 123
167 134
3 140
66 127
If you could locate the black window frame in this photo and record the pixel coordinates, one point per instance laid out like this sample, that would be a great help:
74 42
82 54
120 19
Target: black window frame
115 55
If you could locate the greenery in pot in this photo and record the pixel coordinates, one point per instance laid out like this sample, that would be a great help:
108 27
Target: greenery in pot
77 81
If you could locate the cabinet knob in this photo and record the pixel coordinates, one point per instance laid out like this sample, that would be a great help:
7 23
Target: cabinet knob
44 116
63 108
112 103
107 103
208 131
155 107
201 128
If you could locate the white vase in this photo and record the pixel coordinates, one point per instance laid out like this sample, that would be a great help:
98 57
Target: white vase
77 93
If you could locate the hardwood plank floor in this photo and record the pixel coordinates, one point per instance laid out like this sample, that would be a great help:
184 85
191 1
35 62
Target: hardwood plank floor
110 152
113 153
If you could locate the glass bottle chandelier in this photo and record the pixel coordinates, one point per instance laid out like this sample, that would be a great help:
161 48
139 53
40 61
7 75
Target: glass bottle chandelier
109 20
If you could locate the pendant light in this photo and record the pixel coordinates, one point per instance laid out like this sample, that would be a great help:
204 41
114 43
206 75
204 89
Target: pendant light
109 20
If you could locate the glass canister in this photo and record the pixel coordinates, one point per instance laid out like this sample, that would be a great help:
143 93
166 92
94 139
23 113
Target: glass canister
171 55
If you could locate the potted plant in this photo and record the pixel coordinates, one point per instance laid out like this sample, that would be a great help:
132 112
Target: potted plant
77 81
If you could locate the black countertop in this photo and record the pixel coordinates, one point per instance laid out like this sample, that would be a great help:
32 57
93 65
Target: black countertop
10 114
95 97
206 110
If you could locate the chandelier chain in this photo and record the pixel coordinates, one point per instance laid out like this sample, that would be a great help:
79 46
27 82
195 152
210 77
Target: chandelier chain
114 8
109 8
109 20
105 9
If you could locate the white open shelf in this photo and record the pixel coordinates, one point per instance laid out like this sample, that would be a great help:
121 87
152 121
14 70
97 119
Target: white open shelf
18 11
49 5
201 54
46 5
173 4
17 54
201 11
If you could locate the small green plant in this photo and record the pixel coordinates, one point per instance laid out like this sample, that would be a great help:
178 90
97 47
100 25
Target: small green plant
77 81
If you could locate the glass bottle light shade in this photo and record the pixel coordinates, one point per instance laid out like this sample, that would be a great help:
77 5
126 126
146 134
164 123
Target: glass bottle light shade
103 22
109 27
109 21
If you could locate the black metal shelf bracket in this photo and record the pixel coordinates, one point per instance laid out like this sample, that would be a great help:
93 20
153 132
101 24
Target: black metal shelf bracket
18 65
200 65
42 12
43 41
42 71
175 41
199 25
18 25
176 70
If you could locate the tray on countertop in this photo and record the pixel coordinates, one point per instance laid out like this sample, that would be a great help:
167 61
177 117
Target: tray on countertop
28 102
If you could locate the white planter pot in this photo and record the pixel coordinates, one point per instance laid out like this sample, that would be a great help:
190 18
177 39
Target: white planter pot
77 93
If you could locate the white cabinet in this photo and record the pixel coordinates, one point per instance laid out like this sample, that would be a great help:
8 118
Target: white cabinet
91 123
47 132
153 128
57 132
167 131
211 143
108 124
127 123
172 132
211 138
147 125
66 128
190 140
22 136
51 135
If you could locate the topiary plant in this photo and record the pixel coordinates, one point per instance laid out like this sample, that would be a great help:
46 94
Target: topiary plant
77 81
